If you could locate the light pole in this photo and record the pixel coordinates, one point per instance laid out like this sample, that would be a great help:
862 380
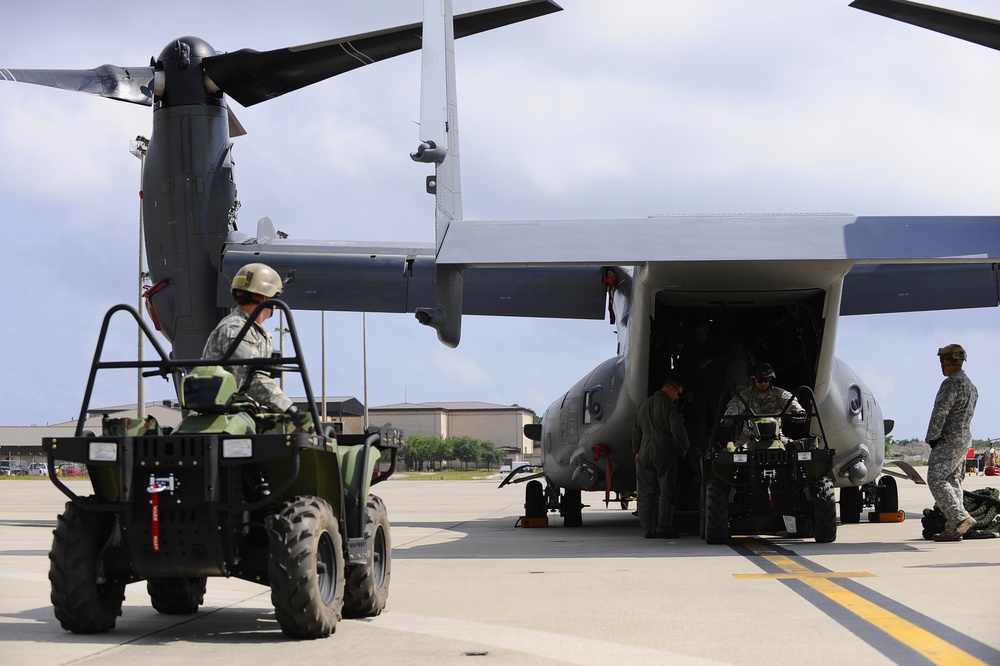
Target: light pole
138 148
322 341
281 330
364 355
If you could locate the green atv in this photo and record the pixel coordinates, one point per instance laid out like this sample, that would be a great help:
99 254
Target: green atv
768 483
231 491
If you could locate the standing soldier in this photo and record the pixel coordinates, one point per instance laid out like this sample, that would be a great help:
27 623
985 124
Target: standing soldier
252 285
949 438
659 442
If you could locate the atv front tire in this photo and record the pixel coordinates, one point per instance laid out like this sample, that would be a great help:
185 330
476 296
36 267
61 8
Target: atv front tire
825 512
84 600
716 511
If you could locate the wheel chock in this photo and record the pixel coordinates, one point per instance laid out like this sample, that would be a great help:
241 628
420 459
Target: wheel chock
887 517
525 521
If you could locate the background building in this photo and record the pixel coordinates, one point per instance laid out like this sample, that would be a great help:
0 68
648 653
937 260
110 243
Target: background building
501 424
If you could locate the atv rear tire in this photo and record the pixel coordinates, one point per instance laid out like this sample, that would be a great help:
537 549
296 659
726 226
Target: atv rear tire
306 568
83 599
177 595
716 511
825 512
367 584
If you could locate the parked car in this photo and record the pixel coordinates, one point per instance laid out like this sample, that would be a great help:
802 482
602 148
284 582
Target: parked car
38 469
71 469
13 468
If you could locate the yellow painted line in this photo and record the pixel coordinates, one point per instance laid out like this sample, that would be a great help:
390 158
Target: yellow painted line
930 646
810 574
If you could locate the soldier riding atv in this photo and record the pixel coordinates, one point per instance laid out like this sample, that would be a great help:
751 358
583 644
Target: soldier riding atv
757 480
234 490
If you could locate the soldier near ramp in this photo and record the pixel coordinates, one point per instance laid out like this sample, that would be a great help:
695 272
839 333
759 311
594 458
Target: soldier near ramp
659 442
252 285
949 437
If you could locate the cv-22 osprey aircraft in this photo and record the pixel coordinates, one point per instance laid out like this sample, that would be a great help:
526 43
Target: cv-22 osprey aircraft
773 285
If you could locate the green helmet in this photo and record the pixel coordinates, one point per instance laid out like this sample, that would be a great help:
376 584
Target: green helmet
954 352
258 279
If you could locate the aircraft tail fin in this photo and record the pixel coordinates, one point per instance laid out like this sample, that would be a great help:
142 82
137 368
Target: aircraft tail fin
439 145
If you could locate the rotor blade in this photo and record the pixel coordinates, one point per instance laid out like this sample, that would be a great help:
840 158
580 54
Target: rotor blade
971 28
251 77
128 84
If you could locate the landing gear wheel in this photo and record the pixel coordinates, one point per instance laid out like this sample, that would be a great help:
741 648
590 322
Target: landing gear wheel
177 596
716 511
825 512
306 568
534 500
85 601
367 583
571 508
888 496
850 505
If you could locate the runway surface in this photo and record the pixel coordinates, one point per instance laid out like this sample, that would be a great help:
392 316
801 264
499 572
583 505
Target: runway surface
468 587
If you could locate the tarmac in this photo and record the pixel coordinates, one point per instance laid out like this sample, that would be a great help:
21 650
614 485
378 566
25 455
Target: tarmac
468 586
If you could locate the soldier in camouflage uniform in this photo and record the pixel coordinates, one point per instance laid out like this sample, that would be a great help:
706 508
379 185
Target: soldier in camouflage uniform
763 398
949 437
253 284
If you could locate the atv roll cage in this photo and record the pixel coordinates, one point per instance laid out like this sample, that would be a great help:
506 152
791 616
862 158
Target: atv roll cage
276 499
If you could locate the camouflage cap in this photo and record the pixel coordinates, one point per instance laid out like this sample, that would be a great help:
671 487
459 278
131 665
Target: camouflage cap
955 352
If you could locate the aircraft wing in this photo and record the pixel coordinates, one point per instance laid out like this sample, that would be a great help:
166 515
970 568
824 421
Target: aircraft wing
685 238
901 264
873 288
555 268
364 277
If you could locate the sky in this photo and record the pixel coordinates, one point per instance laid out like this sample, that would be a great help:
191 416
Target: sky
619 110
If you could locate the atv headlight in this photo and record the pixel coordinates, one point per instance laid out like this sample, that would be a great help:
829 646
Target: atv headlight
102 451
237 448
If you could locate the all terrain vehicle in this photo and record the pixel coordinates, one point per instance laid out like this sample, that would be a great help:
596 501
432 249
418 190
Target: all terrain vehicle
768 483
231 491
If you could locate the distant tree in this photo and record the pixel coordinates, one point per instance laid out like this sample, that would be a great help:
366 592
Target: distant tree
490 455
889 443
417 451
439 450
466 449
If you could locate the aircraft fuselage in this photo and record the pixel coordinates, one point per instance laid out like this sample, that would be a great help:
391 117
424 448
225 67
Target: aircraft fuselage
785 315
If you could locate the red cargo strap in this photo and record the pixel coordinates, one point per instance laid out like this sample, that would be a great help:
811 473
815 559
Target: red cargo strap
601 451
154 491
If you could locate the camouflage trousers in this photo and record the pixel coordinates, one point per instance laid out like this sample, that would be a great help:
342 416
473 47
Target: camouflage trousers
945 469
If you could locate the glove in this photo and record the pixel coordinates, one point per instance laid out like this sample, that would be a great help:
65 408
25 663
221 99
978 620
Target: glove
292 410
